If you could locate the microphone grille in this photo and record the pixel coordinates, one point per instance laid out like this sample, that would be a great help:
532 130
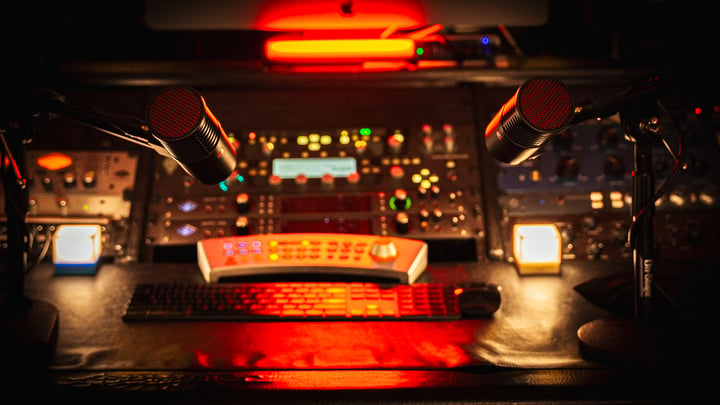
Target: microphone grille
545 103
175 112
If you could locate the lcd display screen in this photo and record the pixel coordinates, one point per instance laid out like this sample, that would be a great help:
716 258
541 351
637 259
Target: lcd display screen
314 168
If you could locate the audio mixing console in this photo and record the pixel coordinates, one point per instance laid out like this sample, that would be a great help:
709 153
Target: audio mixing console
419 182
582 183
379 161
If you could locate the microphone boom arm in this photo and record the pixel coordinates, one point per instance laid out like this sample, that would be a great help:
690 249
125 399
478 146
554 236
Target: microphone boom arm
651 88
137 132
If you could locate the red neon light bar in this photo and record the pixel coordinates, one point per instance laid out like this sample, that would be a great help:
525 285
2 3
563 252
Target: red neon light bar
339 50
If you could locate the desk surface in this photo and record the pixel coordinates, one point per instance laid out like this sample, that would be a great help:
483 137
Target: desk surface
529 349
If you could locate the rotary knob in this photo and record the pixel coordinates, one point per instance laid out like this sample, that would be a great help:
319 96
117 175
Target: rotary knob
47 183
422 192
69 179
620 234
434 191
428 143
400 199
449 143
568 168
437 214
608 136
383 250
590 222
395 142
89 178
242 226
594 249
614 167
567 234
242 202
402 223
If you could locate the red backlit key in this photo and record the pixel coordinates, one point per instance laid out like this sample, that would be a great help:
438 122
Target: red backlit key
292 301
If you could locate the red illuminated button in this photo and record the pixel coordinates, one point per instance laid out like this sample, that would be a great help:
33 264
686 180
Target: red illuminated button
353 178
301 179
275 180
397 172
327 179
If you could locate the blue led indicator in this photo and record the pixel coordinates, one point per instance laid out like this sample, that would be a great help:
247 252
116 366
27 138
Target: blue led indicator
227 245
187 206
243 251
229 252
542 202
186 230
223 186
485 40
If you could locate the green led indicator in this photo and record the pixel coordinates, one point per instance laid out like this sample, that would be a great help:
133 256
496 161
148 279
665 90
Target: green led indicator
223 186
365 131
419 51
394 207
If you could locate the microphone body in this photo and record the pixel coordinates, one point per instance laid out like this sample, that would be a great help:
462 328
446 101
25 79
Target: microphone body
540 108
181 121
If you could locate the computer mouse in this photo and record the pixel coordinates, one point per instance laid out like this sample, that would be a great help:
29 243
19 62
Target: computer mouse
478 299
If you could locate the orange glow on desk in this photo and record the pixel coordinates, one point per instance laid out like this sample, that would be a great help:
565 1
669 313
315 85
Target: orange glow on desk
337 345
338 50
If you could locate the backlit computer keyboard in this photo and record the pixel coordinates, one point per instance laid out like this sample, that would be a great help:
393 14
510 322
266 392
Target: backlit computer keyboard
292 301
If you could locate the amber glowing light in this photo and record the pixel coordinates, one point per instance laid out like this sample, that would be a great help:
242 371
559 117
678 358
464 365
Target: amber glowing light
339 50
54 161
537 248
77 248
368 36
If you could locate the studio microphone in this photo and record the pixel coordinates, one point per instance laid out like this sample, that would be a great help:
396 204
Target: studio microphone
540 108
181 121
